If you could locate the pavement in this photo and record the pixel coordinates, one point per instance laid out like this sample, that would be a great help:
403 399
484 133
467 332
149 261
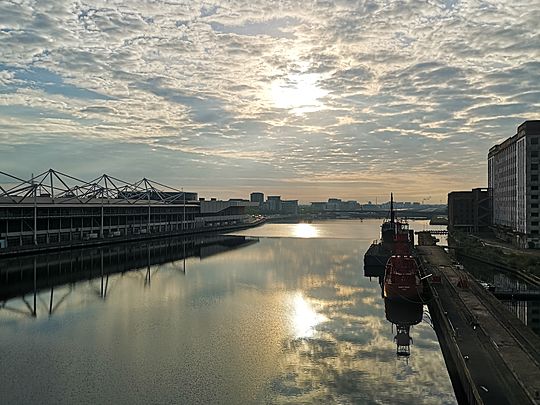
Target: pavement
501 353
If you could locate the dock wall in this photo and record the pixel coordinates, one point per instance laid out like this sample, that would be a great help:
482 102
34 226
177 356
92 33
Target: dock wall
66 245
464 385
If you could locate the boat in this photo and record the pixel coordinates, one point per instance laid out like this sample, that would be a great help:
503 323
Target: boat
380 251
402 279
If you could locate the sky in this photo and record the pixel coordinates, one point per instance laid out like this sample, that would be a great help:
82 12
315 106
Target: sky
304 99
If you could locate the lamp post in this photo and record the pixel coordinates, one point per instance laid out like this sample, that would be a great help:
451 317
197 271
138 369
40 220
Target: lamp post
184 209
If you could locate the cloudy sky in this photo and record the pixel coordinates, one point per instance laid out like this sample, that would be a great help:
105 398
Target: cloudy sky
307 99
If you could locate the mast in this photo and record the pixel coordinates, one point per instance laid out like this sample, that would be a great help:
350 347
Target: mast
392 217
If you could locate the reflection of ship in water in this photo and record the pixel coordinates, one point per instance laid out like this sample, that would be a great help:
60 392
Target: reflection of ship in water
392 259
33 274
404 315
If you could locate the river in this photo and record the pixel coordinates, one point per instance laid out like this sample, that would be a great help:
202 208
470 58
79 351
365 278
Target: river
277 314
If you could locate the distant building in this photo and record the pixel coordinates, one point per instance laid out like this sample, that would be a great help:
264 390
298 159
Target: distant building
333 204
257 197
469 211
513 180
289 207
221 213
336 204
351 205
318 206
274 203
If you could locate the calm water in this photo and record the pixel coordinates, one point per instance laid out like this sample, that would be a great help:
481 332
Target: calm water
258 318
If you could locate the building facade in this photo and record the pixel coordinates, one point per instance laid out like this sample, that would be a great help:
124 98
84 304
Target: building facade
257 197
513 184
469 211
289 207
45 210
274 203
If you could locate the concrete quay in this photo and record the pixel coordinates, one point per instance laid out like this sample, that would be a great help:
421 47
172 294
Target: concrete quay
491 356
77 244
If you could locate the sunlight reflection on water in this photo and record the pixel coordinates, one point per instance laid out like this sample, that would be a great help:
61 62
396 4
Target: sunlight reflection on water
305 231
304 317
269 320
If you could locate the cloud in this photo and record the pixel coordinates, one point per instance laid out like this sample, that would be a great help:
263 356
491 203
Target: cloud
424 98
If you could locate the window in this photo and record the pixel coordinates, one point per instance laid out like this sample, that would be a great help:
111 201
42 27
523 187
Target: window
534 223
534 187
534 153
534 166
534 177
534 196
534 141
534 205
534 214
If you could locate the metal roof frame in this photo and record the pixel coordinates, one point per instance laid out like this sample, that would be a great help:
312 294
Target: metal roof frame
64 188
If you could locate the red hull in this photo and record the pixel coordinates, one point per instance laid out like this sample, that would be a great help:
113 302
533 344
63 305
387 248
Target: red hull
403 292
402 279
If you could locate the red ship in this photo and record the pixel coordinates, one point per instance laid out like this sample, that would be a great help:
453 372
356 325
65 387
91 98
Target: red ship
401 275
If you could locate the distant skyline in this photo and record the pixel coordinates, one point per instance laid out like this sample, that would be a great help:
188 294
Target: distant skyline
308 100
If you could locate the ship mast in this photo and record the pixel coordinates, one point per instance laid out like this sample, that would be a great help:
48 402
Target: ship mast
392 218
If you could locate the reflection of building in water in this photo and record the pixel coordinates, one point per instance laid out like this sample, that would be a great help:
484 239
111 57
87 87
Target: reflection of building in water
30 275
533 316
528 312
403 314
504 282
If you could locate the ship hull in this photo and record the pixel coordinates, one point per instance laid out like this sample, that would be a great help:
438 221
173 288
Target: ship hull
401 292
377 255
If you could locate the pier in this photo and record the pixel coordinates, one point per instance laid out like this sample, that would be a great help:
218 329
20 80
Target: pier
492 357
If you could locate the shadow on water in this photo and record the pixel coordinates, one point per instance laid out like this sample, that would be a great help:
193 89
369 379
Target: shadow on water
28 277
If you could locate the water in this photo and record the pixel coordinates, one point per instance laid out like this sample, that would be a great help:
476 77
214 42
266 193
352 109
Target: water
243 319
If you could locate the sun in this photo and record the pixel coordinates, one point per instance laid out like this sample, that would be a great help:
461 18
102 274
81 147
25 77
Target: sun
299 93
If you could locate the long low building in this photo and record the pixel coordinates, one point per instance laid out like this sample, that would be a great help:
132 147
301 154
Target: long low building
214 213
40 212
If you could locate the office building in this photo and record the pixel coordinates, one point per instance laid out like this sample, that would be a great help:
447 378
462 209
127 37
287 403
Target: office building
513 184
289 207
469 211
257 197
274 203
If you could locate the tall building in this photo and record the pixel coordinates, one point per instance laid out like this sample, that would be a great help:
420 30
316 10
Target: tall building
513 183
274 203
469 211
257 197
